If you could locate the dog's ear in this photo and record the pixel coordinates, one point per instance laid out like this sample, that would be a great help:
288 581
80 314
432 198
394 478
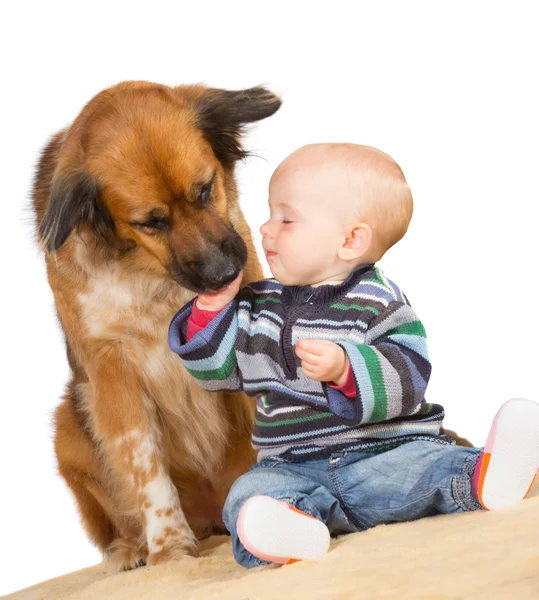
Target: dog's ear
223 115
74 201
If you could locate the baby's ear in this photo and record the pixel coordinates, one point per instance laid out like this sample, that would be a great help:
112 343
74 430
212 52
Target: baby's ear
358 242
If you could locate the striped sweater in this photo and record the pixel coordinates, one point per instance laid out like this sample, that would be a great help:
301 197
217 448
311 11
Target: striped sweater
249 346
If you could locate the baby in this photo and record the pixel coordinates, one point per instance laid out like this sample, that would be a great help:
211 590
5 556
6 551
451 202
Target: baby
338 361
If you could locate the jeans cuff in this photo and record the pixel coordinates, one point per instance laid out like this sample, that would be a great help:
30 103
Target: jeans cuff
463 484
293 501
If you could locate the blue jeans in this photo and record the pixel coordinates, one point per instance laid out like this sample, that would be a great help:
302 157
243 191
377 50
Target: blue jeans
353 491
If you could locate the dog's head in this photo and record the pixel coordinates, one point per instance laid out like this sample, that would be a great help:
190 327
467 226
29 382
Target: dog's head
150 169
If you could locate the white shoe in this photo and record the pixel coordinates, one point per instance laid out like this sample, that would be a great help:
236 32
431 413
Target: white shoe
277 532
510 459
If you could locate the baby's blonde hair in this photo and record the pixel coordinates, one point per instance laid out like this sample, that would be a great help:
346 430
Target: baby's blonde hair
384 199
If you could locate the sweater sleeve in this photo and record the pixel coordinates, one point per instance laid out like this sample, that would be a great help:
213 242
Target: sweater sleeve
198 319
391 369
208 355
348 388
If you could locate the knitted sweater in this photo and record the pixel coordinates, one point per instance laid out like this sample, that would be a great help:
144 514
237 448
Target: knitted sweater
199 319
249 346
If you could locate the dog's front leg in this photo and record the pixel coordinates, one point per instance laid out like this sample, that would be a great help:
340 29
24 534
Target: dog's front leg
126 427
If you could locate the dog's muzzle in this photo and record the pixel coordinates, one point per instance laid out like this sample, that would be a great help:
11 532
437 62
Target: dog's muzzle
217 267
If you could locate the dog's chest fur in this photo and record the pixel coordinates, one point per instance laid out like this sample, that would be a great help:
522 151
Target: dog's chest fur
133 311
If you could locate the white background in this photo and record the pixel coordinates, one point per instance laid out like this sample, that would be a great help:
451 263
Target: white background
448 89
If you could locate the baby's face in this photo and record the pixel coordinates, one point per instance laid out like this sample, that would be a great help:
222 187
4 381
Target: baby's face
307 225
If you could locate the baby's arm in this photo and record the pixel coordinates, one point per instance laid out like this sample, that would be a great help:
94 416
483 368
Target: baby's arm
198 319
208 352
390 370
207 306
323 360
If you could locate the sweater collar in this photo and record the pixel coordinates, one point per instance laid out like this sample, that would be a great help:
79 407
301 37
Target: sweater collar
326 293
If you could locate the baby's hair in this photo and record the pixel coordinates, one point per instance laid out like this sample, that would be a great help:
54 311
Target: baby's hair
384 199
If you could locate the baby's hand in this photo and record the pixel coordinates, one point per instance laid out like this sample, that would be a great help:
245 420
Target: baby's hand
220 298
323 360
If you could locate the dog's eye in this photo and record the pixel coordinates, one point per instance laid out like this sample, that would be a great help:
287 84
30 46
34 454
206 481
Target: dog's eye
154 224
205 194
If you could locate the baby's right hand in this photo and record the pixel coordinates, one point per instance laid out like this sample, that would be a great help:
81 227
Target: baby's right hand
219 299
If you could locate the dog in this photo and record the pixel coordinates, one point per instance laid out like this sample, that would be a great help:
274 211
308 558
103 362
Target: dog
136 209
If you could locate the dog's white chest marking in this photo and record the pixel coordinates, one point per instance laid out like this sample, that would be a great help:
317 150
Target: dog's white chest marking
108 302
115 304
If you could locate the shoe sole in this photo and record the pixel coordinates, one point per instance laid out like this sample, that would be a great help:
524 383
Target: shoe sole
277 532
511 455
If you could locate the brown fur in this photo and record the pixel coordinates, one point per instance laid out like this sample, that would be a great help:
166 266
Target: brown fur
148 454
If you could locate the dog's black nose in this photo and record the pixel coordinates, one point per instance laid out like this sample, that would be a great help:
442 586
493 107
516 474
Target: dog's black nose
210 271
223 278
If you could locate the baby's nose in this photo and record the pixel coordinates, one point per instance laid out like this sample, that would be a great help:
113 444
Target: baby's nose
264 228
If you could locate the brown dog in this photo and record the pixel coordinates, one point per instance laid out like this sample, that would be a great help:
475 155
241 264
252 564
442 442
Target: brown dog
137 210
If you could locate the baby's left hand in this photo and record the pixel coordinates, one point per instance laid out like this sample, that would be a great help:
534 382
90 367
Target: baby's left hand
323 360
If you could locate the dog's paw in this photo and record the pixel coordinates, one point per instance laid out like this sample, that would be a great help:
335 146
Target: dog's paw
124 555
174 550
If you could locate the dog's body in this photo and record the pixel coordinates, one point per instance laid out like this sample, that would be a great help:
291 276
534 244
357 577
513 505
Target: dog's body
137 210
